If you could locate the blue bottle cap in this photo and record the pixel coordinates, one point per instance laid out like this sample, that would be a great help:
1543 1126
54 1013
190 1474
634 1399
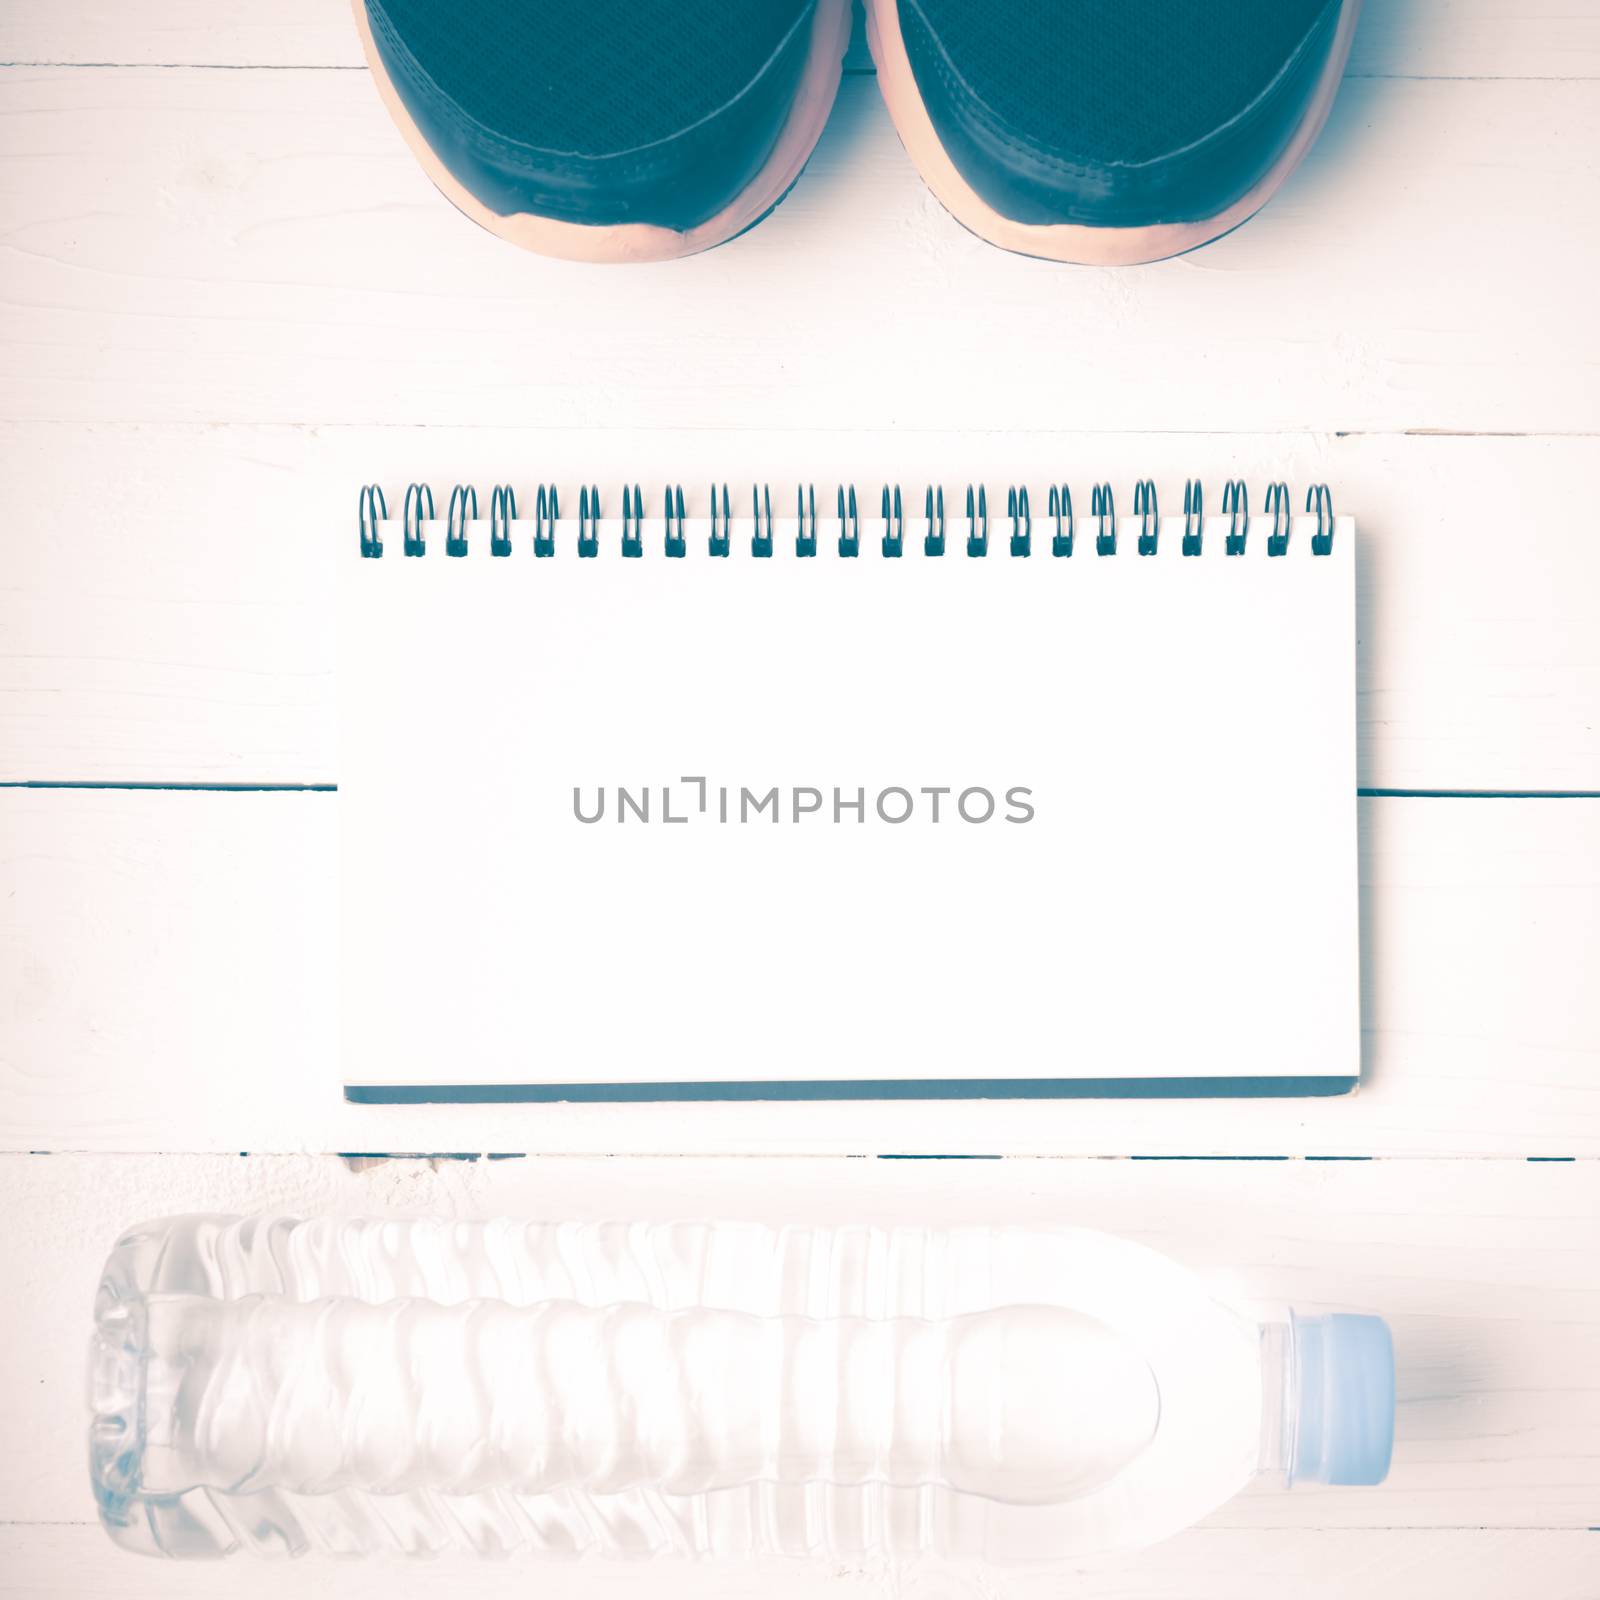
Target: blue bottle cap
1344 1377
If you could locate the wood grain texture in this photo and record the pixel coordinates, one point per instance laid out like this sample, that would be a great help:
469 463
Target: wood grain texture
199 33
228 297
1205 1564
260 247
183 629
1409 38
1484 1270
169 966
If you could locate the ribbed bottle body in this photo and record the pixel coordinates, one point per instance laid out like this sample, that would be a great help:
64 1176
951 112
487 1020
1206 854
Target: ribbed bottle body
350 1385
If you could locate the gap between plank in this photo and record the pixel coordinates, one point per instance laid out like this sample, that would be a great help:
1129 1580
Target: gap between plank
276 425
848 71
157 784
727 1157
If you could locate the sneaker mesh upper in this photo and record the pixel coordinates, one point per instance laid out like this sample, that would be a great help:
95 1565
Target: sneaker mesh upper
591 77
1116 82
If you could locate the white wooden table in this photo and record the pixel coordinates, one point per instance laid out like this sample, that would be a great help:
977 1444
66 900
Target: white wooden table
228 297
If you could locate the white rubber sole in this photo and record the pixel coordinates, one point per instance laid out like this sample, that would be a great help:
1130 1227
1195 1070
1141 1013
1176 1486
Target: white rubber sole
1074 242
636 241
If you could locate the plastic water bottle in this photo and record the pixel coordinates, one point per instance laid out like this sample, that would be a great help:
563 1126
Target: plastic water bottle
276 1385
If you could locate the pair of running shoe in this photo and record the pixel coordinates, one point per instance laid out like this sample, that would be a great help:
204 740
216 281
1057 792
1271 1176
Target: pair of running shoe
1101 131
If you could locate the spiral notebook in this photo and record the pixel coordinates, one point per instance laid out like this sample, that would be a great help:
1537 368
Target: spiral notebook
645 804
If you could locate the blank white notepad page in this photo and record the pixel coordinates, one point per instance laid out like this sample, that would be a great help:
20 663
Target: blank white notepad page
1087 820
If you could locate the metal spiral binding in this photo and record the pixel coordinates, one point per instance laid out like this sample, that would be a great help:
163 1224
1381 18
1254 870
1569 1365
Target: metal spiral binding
1194 516
761 506
462 510
978 522
374 510
1021 521
933 513
632 525
1278 509
805 536
675 544
1320 500
1103 507
588 522
721 528
1236 508
546 513
849 526
1149 515
418 509
894 524
502 513
1061 508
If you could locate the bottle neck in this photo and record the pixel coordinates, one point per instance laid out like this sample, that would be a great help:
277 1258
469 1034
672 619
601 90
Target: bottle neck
1279 1399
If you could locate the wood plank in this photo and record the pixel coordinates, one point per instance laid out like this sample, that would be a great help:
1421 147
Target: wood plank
1411 38
259 246
183 631
1205 1564
1485 1271
168 966
1477 39
199 33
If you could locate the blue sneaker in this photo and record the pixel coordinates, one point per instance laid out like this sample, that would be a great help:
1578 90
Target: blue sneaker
1108 131
609 130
